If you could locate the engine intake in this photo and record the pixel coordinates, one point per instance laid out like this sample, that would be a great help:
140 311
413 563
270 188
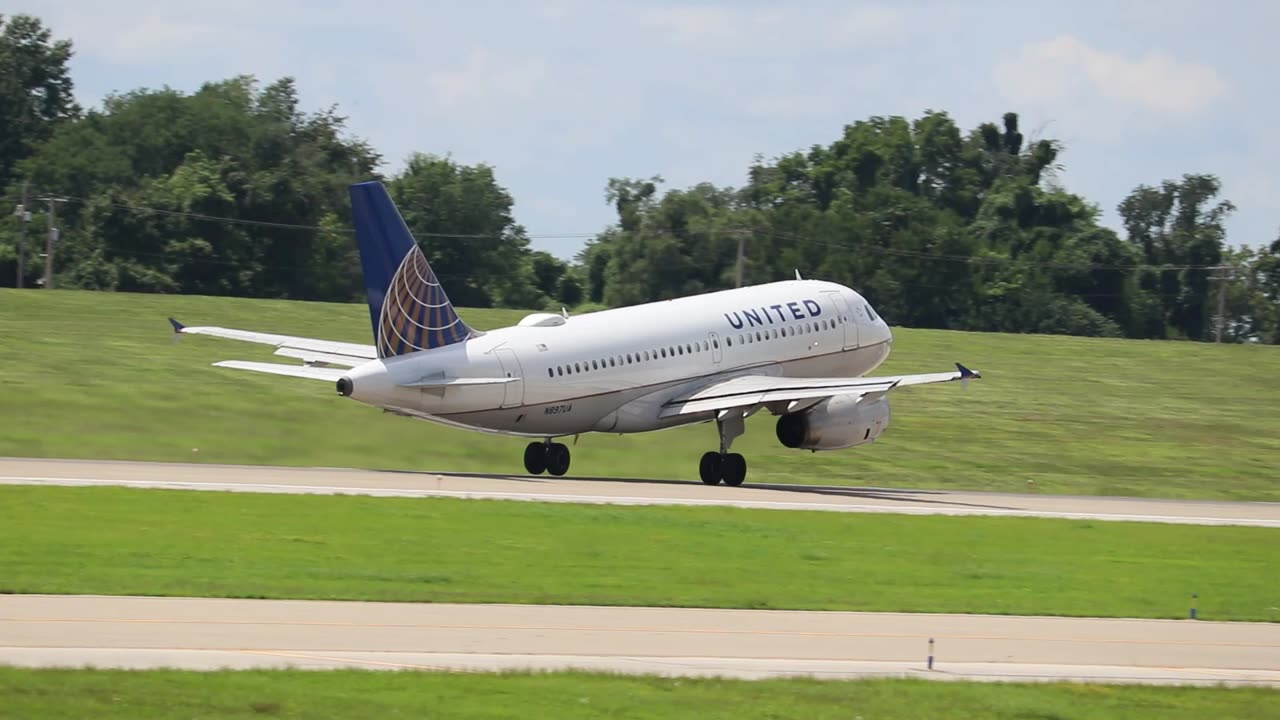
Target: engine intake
839 422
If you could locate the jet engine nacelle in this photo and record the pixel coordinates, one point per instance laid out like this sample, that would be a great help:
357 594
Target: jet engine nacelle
835 423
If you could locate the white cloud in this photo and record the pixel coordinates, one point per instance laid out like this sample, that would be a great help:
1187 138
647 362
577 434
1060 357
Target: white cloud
1067 73
486 80
765 31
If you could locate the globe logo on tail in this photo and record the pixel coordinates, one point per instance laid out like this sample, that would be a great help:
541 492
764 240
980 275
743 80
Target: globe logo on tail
416 313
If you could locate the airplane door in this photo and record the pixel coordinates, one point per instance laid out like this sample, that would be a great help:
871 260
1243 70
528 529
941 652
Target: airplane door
513 392
715 348
848 320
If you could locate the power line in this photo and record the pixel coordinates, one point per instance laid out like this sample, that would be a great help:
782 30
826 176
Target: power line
742 233
294 226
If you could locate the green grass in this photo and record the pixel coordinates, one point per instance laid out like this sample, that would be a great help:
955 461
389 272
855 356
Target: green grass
94 375
159 542
362 694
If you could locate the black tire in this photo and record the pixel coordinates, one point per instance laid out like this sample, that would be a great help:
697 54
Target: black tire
709 468
733 470
535 458
557 459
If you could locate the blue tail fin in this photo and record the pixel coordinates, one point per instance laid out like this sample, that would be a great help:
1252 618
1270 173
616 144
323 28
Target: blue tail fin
407 305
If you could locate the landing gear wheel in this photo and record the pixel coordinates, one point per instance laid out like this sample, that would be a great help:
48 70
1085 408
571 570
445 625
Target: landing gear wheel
535 458
709 468
733 469
557 459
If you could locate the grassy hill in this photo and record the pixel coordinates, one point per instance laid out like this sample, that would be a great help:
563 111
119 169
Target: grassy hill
97 375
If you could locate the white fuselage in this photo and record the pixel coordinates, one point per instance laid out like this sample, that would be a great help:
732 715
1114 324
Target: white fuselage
613 370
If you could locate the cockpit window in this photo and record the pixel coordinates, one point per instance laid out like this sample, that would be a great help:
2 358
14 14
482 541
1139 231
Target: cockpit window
871 313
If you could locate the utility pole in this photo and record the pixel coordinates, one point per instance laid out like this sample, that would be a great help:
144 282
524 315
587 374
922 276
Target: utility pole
1221 279
742 242
50 240
24 216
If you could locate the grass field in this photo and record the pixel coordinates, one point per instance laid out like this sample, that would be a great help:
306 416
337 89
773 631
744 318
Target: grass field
56 694
95 375
157 542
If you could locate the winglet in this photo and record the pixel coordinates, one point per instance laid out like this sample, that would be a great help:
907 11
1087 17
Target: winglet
177 326
966 374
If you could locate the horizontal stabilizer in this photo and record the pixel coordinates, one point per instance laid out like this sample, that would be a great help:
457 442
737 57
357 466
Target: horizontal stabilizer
302 371
315 357
360 353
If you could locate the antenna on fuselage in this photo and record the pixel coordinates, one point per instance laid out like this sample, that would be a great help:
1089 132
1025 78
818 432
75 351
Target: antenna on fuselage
798 274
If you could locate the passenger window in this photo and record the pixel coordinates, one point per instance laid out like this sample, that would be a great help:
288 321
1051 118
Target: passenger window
679 350
758 335
577 368
688 348
728 341
551 373
664 352
594 366
611 362
775 333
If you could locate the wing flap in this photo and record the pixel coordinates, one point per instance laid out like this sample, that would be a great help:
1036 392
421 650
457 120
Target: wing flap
312 357
302 371
753 390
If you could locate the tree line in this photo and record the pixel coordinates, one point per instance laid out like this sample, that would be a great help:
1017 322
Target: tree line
235 190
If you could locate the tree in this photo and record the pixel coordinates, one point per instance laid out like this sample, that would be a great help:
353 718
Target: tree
1176 225
35 88
463 220
937 227
231 190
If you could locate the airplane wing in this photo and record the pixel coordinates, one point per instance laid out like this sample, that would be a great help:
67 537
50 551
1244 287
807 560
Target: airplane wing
798 393
313 352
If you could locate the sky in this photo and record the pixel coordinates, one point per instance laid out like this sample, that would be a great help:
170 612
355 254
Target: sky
560 95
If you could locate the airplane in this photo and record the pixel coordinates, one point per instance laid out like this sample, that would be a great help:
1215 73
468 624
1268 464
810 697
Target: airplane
800 349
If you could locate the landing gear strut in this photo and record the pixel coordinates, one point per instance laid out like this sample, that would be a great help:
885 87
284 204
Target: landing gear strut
724 465
550 456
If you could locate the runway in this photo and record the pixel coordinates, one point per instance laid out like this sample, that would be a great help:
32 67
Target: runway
334 481
205 634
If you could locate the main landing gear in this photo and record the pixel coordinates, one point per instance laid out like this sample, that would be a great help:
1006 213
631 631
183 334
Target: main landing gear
731 468
553 457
